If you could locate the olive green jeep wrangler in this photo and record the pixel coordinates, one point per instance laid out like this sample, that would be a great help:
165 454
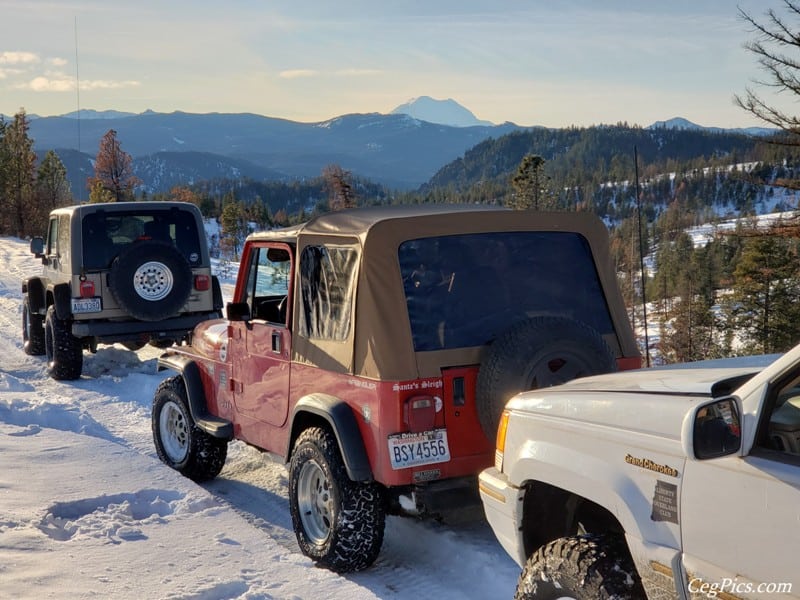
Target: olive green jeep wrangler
128 272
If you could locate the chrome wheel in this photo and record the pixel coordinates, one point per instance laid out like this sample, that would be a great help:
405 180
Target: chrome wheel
315 502
153 281
174 430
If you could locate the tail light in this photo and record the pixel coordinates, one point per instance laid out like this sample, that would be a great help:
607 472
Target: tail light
500 444
87 289
202 282
419 413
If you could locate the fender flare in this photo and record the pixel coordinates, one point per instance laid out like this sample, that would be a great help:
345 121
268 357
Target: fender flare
34 287
342 421
187 368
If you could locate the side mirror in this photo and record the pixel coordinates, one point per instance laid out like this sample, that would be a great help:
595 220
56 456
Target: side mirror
712 429
238 311
37 247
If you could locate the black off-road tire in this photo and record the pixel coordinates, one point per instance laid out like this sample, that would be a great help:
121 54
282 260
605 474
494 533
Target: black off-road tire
32 330
339 523
64 351
179 442
589 567
536 353
151 281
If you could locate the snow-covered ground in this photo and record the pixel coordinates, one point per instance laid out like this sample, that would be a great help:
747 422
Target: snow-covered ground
88 511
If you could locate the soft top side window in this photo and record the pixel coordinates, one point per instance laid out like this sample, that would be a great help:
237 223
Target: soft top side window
52 237
327 288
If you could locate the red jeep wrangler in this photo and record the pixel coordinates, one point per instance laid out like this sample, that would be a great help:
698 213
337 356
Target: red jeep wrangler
374 350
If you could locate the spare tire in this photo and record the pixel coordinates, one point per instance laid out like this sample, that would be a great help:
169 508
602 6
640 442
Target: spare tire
537 353
150 281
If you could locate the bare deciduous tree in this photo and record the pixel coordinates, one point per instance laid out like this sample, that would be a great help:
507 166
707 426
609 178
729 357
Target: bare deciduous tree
113 171
776 39
340 190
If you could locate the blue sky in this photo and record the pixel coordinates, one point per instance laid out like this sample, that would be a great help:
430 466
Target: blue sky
534 62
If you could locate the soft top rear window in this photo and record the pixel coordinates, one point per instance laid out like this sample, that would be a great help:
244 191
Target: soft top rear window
465 290
106 234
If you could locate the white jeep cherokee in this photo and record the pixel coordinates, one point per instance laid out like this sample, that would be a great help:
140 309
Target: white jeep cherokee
674 482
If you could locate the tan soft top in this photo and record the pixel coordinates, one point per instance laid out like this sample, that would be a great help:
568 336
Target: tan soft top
380 343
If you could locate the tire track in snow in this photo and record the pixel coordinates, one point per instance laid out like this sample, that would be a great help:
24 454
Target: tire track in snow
418 558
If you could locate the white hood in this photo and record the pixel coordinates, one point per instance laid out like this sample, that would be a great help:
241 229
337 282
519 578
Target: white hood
649 401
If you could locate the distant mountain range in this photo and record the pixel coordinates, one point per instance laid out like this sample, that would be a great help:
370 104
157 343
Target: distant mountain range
398 150
402 150
681 123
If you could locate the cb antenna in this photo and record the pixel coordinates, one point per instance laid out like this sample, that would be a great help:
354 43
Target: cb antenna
78 95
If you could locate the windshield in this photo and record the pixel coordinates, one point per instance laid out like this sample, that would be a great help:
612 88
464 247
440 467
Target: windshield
464 290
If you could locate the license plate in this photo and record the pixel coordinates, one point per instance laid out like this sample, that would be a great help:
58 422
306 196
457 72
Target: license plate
414 449
86 305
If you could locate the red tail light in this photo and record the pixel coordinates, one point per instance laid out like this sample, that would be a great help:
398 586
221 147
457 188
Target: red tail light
87 289
202 282
420 413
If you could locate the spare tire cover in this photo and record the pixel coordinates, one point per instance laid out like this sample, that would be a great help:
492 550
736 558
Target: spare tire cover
150 281
536 353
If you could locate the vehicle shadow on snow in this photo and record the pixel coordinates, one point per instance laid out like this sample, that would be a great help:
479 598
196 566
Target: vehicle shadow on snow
260 507
411 559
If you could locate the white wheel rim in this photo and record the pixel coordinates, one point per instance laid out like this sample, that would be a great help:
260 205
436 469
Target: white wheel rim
315 502
174 432
153 281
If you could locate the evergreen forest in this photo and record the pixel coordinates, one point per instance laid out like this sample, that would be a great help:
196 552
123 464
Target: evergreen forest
734 293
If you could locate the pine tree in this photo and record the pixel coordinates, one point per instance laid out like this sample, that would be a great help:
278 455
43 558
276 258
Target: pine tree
51 182
18 176
529 186
113 170
763 307
234 226
691 336
98 192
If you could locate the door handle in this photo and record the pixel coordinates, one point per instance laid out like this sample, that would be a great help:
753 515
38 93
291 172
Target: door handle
276 342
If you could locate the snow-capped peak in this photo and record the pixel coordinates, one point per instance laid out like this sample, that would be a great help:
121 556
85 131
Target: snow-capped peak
443 112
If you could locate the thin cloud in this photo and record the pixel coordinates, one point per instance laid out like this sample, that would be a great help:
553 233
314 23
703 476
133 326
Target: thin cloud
5 73
57 62
100 84
297 73
67 84
19 58
359 72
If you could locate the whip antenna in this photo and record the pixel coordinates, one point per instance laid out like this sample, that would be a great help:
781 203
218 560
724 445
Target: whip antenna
78 94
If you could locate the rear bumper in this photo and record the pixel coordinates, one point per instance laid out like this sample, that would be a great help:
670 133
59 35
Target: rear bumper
502 504
117 331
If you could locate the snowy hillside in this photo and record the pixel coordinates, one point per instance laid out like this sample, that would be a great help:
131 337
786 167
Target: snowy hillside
88 511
